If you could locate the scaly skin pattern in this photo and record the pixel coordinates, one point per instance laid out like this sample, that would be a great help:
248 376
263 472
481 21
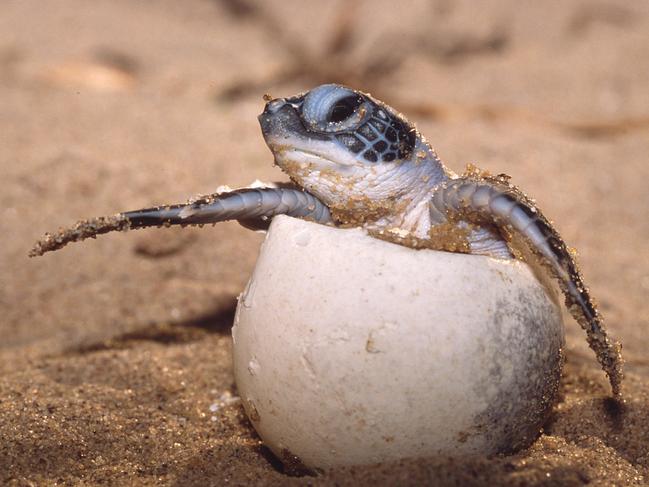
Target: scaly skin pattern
480 198
355 161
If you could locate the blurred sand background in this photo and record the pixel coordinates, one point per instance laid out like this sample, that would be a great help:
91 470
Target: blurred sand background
115 354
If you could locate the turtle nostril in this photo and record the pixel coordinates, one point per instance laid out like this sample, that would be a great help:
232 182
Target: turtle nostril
274 105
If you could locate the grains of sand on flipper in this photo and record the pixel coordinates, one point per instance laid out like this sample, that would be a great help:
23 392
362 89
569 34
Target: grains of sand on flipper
80 231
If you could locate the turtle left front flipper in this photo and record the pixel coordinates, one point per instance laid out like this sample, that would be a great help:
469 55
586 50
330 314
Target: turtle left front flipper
483 199
253 207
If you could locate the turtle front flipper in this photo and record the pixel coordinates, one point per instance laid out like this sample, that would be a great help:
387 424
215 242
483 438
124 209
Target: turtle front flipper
482 199
253 207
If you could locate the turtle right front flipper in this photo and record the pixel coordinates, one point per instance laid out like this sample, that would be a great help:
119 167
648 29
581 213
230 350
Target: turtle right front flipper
483 199
254 207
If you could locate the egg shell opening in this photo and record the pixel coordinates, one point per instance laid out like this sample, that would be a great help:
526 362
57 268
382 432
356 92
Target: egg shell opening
349 350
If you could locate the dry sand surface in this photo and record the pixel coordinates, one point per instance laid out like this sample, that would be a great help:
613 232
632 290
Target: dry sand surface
115 354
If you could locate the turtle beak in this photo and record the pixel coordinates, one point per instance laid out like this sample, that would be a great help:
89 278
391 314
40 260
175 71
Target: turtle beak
269 119
281 120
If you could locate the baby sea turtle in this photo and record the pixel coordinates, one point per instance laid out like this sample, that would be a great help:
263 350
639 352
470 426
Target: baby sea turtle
355 161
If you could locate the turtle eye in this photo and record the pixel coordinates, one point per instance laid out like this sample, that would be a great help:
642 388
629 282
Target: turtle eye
344 108
333 109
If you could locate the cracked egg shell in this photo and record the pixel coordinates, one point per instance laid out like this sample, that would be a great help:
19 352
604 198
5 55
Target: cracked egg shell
349 350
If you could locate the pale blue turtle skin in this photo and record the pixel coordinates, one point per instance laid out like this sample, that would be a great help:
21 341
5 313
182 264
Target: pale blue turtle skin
355 161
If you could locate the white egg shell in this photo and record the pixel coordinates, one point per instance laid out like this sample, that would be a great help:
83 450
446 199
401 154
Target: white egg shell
350 350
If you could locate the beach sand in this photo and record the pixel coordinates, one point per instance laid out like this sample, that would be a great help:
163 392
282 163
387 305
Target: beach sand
115 353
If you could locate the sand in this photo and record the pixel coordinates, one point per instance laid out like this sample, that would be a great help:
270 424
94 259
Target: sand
115 353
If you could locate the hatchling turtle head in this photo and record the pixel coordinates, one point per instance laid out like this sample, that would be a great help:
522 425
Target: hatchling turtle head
355 153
